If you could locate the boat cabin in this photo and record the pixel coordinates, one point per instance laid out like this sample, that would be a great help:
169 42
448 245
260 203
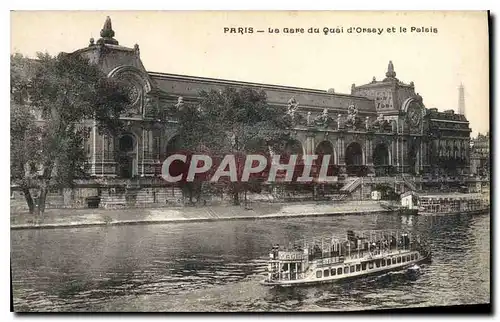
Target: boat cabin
451 203
329 258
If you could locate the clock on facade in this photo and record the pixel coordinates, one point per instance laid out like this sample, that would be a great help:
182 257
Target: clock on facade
414 114
133 94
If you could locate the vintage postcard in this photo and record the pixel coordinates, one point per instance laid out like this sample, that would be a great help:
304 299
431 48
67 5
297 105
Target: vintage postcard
230 161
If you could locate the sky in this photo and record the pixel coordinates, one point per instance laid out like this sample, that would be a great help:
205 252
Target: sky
194 43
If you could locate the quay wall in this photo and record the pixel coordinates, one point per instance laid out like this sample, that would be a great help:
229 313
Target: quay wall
65 218
120 196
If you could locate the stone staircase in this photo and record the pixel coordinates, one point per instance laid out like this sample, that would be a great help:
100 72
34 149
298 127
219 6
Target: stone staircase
351 185
409 183
142 198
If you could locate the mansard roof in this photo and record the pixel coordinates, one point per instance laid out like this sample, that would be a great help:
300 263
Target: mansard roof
448 115
191 86
390 80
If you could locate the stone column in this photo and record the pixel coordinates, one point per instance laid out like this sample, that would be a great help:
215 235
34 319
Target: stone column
104 139
341 151
397 153
309 148
341 155
150 140
402 154
369 152
94 137
425 148
143 150
369 156
421 156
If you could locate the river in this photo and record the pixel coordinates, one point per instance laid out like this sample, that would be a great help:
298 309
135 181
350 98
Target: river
217 266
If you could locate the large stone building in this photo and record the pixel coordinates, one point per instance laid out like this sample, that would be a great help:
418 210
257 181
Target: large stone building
480 155
380 128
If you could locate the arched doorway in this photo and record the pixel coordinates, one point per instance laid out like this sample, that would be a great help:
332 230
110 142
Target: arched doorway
413 158
127 148
381 160
293 147
323 149
354 159
173 145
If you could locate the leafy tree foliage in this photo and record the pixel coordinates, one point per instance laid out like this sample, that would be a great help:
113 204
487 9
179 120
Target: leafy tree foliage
52 101
236 122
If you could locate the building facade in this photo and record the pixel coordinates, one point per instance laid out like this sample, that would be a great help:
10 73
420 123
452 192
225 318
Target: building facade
480 155
380 129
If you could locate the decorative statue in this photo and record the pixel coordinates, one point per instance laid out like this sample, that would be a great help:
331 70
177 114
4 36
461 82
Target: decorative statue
151 107
136 49
394 126
380 118
339 120
381 123
367 122
308 118
180 103
324 115
148 104
352 115
293 105
323 119
352 110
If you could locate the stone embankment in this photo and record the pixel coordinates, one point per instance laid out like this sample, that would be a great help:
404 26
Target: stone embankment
64 218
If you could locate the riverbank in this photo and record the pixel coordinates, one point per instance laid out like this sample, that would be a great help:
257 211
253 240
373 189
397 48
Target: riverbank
66 218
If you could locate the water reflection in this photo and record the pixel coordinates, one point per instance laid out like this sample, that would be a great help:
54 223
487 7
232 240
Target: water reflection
217 266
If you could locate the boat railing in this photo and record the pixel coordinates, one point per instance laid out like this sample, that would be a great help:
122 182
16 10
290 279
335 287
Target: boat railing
327 240
363 232
363 255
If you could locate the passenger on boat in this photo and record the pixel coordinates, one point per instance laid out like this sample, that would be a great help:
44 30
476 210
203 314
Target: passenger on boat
405 241
393 243
385 245
315 252
275 250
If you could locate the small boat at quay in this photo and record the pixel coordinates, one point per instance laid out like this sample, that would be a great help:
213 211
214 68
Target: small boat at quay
453 203
401 210
332 259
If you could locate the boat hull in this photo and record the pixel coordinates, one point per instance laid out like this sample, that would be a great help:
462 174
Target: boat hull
472 212
337 279
408 212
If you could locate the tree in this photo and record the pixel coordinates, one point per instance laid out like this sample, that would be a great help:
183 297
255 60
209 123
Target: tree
190 133
236 122
51 98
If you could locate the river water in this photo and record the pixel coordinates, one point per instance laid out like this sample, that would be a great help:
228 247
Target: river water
217 266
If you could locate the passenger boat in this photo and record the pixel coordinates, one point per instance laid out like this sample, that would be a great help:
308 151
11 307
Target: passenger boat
453 203
400 210
331 259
